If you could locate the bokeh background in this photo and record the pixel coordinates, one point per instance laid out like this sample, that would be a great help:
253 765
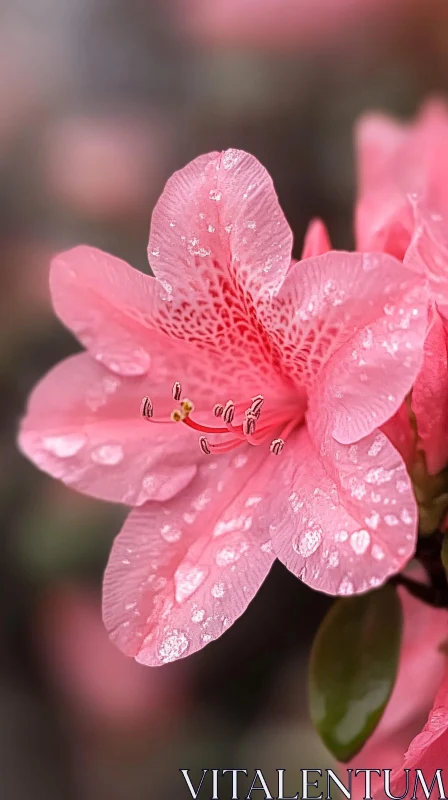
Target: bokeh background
100 101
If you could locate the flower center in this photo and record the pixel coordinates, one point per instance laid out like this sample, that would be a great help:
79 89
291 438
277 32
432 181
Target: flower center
244 422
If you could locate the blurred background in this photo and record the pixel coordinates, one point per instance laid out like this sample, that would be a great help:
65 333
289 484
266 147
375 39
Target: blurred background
100 101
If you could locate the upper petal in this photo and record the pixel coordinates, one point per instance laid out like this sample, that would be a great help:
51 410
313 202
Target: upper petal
108 305
346 519
351 326
317 240
178 576
219 220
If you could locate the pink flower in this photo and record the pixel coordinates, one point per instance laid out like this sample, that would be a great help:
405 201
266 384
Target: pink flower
304 359
403 210
93 677
271 24
422 668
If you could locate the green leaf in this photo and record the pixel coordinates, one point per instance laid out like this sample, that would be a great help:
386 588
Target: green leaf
353 667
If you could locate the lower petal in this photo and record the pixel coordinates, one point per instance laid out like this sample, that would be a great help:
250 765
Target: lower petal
179 575
346 529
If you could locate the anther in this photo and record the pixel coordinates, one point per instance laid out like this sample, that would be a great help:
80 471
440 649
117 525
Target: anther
187 406
277 446
203 444
176 415
218 410
249 425
257 403
177 391
228 412
146 408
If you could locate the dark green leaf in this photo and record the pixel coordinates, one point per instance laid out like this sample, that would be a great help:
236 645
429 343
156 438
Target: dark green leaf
353 667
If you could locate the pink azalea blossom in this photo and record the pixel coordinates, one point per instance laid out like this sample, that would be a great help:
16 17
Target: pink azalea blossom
399 741
403 210
98 683
291 368
270 24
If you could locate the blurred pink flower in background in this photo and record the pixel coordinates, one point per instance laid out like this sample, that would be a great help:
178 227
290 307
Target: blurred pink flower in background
226 316
272 23
422 669
403 209
104 165
99 684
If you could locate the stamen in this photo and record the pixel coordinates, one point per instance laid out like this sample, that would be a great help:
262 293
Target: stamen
177 391
257 403
176 415
203 444
146 408
218 409
249 425
229 412
187 406
277 446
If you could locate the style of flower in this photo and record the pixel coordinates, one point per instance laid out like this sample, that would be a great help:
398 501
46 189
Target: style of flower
264 384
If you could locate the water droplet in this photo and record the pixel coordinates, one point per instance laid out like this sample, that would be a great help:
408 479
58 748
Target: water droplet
377 445
107 454
230 158
307 543
345 587
373 520
198 615
64 446
360 541
215 195
187 579
171 533
173 646
406 517
391 519
218 590
377 552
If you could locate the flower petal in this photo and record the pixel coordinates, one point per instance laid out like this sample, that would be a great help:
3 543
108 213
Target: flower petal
428 750
430 395
218 224
317 240
178 576
421 666
107 304
83 425
352 325
347 520
428 252
396 160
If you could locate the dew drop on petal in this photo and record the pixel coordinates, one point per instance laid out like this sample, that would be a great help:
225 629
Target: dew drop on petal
360 541
345 587
107 454
173 646
307 543
64 446
187 579
171 533
218 590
